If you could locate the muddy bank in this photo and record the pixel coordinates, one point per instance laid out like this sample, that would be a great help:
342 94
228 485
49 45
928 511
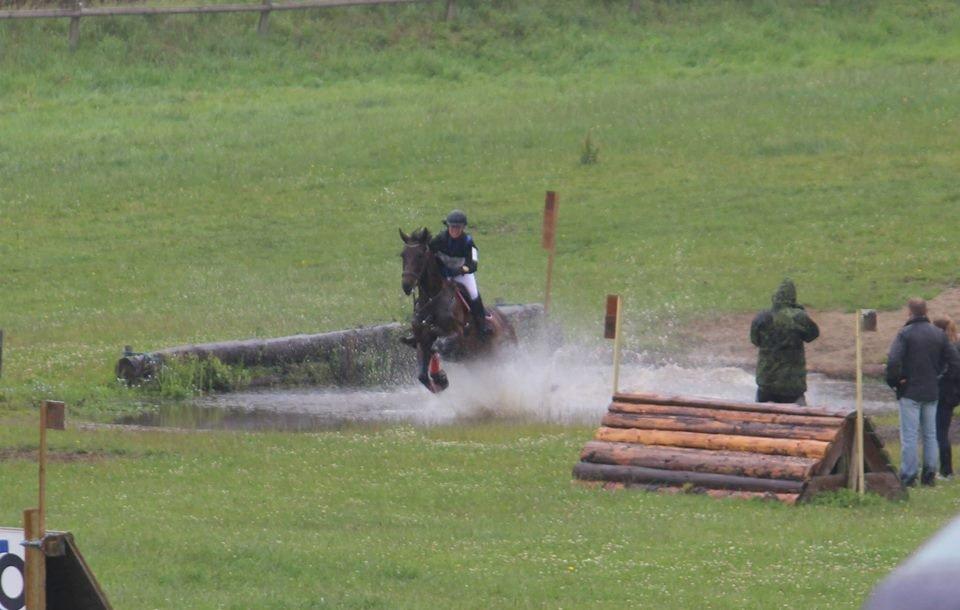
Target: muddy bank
725 339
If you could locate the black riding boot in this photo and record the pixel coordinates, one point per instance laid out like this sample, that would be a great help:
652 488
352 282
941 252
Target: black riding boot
479 317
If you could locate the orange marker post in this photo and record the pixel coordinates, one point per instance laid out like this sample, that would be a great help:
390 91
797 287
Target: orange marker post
549 242
611 330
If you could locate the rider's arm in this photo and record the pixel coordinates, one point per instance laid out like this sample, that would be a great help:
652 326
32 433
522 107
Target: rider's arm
470 259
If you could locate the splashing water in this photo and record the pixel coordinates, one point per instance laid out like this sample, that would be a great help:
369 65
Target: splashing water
571 385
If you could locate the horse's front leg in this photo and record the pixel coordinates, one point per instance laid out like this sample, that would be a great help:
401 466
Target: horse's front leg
424 352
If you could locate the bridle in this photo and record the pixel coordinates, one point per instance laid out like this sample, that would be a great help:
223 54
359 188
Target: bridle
416 276
416 281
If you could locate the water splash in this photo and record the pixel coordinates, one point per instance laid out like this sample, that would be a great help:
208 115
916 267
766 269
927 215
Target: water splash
571 385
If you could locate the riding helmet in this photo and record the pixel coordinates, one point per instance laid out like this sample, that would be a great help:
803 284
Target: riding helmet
456 217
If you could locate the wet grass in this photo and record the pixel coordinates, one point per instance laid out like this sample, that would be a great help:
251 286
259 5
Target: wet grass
181 180
485 517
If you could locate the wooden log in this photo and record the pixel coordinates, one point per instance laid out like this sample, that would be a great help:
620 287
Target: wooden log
760 407
338 345
838 448
638 474
729 442
673 490
726 414
109 11
708 425
753 495
755 465
886 484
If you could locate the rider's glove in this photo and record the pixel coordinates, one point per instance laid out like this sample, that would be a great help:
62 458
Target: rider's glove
464 269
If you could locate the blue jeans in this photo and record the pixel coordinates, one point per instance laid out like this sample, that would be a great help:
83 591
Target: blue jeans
916 418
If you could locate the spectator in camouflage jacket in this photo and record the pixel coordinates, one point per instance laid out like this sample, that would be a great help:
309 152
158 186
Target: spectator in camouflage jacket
780 333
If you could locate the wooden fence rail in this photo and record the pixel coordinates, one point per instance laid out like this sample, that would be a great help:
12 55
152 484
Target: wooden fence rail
264 8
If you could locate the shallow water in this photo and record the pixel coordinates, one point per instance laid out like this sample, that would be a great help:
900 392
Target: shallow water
559 388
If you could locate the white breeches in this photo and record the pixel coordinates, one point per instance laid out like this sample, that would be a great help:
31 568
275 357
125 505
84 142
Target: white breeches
469 282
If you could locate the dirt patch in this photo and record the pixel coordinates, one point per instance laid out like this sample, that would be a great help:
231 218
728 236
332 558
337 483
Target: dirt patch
726 339
14 454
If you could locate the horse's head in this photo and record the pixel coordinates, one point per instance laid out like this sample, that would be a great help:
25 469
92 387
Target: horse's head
415 255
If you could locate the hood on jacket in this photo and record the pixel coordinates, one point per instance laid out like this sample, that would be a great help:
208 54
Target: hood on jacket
786 295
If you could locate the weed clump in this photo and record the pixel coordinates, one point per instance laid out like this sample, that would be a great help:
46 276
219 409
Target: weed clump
192 375
589 151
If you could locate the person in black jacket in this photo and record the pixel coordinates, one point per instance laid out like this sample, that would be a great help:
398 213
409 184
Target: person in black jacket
458 254
917 357
948 399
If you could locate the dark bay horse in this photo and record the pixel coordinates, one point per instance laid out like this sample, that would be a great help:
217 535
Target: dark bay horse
439 311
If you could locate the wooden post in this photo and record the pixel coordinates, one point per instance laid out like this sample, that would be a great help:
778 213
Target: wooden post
866 321
451 10
35 569
549 243
611 330
75 27
263 26
52 414
1 352
42 461
855 475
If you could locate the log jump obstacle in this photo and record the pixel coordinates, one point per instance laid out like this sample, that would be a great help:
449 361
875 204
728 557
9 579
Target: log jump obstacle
731 449
341 349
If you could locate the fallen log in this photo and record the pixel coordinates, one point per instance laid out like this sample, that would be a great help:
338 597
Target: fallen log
760 407
685 423
340 349
699 460
638 474
771 446
726 414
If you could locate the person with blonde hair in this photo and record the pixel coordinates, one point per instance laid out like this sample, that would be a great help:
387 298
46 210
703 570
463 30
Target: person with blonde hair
948 400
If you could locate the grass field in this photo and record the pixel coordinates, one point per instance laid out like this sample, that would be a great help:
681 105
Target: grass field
485 517
180 179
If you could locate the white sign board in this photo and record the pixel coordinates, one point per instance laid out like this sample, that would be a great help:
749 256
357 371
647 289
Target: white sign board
11 568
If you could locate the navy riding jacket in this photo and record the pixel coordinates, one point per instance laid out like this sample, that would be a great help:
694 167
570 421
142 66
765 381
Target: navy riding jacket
454 254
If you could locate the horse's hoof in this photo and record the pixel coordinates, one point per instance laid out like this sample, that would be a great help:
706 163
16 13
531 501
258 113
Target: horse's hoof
440 379
427 383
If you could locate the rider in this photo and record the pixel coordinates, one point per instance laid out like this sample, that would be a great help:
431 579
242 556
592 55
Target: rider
458 256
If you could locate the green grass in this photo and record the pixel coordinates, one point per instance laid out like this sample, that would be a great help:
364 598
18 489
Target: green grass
181 179
450 518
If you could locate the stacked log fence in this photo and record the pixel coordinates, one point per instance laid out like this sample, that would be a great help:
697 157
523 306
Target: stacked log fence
725 448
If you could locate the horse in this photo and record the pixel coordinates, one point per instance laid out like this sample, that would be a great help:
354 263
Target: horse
441 311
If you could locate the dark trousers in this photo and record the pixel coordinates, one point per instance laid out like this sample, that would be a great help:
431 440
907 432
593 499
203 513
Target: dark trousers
944 416
764 395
